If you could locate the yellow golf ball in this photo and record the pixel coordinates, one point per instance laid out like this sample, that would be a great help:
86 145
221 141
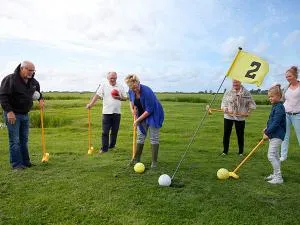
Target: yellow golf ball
223 174
139 167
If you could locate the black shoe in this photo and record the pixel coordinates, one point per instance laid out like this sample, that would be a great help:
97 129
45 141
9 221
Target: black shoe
19 167
30 165
132 162
102 151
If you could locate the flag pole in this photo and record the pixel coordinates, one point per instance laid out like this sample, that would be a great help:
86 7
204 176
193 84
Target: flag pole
236 56
197 129
201 122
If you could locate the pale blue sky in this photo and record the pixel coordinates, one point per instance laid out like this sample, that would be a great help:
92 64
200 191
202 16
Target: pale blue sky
172 45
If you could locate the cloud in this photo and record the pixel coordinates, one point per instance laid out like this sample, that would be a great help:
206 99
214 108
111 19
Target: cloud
134 26
292 38
275 35
80 24
8 66
275 15
230 46
261 48
171 45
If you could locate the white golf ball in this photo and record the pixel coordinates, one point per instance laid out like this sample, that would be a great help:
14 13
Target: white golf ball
164 180
36 95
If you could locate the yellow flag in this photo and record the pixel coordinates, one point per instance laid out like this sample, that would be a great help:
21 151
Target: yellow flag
248 68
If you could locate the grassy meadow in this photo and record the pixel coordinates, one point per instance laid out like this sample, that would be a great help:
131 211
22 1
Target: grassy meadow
76 188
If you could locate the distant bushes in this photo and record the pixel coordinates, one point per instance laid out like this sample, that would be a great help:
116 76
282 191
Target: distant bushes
1 115
260 99
184 99
63 97
206 99
53 121
35 107
262 102
67 95
35 120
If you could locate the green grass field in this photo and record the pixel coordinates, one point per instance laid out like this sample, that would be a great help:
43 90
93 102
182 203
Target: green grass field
76 188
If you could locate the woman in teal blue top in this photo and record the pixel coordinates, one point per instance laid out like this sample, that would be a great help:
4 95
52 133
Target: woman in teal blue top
149 116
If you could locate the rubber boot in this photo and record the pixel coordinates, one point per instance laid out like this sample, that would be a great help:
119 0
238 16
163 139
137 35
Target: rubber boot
138 153
154 148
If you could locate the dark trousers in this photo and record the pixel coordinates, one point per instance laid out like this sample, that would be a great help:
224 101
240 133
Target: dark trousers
110 123
239 129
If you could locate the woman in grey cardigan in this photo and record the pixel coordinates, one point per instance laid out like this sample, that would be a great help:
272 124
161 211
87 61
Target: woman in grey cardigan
237 103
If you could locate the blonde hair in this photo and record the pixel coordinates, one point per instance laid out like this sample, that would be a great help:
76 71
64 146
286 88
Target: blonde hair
131 79
293 70
275 90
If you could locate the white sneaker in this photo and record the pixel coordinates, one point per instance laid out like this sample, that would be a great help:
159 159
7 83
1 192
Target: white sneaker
276 180
282 158
153 165
270 177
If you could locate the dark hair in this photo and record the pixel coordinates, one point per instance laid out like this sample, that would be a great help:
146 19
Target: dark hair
293 70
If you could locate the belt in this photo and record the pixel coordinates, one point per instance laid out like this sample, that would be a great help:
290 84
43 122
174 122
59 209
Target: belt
291 113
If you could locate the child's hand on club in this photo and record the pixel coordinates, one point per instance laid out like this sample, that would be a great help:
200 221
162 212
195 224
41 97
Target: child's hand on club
265 137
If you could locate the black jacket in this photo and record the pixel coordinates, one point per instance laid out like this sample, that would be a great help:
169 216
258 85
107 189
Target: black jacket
15 94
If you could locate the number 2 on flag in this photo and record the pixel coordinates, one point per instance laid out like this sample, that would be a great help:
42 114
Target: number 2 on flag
251 73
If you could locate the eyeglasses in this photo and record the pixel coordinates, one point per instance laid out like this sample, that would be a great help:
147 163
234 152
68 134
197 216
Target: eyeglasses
32 71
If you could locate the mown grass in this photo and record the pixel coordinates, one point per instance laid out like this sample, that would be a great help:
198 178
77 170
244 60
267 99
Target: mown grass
74 188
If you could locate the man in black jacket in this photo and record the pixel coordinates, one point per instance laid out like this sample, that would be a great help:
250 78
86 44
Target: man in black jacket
17 92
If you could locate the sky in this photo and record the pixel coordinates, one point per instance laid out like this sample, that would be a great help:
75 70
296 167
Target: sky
172 45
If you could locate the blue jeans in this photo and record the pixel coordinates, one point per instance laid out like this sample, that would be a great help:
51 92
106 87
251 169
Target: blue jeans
290 120
18 140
